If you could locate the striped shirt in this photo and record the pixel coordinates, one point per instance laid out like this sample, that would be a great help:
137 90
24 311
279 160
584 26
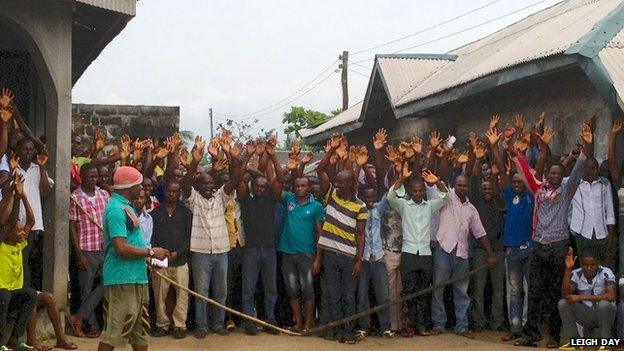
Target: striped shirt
550 220
209 232
340 227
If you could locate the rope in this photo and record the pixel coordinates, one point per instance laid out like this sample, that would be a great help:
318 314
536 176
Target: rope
334 323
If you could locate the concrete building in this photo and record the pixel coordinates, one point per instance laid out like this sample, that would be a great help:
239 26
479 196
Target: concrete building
116 120
45 47
567 60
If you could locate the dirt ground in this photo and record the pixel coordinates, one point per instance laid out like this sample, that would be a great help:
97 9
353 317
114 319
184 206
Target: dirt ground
485 341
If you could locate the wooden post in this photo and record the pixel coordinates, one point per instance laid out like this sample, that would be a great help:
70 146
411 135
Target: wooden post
345 86
211 127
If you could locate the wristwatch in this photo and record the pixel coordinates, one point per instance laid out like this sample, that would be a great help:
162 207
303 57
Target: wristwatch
150 252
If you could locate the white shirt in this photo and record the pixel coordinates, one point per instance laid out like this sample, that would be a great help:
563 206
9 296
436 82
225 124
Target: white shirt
209 232
597 286
31 189
147 225
592 209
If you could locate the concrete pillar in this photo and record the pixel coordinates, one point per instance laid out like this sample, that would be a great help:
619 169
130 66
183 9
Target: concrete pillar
45 29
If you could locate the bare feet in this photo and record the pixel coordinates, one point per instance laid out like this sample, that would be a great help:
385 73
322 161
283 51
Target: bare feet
75 324
65 344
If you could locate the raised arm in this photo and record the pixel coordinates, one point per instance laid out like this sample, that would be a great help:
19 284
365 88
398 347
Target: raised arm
613 164
277 184
321 169
44 181
197 153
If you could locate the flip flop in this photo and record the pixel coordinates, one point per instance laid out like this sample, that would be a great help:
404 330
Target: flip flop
66 345
73 327
93 334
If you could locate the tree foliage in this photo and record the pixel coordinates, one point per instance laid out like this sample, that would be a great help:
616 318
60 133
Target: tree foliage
299 118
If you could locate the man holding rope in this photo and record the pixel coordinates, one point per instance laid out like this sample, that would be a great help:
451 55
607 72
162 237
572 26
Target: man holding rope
126 296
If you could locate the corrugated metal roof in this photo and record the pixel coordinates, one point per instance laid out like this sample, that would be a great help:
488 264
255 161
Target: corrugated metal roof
403 73
349 115
127 7
612 57
545 33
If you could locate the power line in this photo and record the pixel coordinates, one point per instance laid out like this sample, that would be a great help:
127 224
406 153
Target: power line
256 115
287 97
356 72
426 29
461 31
360 65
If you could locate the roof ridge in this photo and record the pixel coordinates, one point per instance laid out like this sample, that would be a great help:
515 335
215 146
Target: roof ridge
600 35
445 57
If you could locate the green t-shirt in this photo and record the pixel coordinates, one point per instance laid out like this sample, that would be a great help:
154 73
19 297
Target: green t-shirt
299 233
119 224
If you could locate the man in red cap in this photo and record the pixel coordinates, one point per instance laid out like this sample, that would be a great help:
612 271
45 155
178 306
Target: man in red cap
126 294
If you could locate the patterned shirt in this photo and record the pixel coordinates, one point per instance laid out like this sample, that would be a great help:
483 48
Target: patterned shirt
550 222
209 233
90 236
340 227
391 229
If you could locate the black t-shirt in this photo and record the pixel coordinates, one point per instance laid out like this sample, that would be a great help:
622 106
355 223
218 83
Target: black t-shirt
258 215
173 232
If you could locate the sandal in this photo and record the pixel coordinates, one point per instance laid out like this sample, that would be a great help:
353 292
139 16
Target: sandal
552 344
92 334
66 345
75 327
437 331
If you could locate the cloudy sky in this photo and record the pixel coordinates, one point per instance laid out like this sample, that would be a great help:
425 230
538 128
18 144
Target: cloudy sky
255 59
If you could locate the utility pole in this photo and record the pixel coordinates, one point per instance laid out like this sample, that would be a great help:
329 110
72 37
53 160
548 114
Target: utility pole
345 86
211 127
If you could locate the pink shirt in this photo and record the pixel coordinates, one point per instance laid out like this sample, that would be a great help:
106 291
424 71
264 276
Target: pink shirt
457 221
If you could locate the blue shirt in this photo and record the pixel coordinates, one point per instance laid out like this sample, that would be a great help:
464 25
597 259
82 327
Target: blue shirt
519 220
373 249
299 233
121 221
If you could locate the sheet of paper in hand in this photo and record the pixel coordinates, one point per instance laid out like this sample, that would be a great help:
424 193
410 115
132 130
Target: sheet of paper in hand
160 263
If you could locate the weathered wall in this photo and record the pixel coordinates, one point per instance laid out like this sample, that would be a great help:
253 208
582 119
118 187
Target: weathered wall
567 97
117 120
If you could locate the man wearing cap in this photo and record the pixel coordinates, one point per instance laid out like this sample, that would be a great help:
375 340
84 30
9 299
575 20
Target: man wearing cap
126 296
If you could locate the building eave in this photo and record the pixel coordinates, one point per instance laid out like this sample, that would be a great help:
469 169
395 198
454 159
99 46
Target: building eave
318 139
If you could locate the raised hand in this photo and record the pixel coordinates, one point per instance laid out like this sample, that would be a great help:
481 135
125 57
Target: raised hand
429 177
220 165
434 139
185 157
519 121
617 127
361 155
398 163
260 147
406 149
380 139
99 139
176 139
307 157
14 161
406 173
333 159
547 135
472 137
341 151
18 184
198 149
251 147
586 133
125 145
351 156
494 121
541 118
493 136
479 151
163 152
327 145
295 148
292 163
213 147
417 145
43 157
6 97
225 139
462 157
570 259
391 153
270 147
335 141
236 150
521 145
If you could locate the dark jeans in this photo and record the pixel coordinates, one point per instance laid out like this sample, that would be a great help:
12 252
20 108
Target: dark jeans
341 285
545 274
416 274
33 261
259 260
234 281
15 309
91 291
376 273
600 247
497 280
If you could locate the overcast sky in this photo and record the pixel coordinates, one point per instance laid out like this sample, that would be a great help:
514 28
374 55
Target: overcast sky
244 56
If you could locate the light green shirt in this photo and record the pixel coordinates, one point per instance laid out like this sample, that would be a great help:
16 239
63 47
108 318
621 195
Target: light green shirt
415 220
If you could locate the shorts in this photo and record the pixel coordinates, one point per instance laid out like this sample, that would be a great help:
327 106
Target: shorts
126 316
297 271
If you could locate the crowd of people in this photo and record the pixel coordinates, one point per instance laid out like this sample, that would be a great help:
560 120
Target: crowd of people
300 250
